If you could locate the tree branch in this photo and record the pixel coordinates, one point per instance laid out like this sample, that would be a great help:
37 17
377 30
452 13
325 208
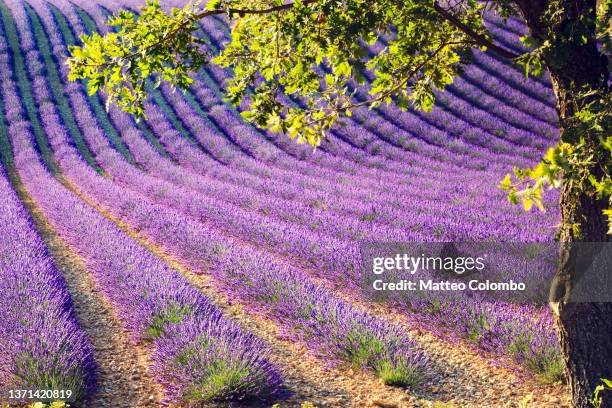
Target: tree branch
209 13
399 85
479 38
241 12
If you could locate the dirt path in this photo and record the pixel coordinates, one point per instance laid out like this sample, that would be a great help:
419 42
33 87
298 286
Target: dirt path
469 378
122 376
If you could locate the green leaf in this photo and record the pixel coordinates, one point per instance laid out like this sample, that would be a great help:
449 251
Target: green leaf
214 4
506 183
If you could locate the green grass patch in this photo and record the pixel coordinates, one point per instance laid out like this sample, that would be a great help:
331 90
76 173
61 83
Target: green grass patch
6 151
172 315
400 375
36 374
191 352
546 364
218 381
363 349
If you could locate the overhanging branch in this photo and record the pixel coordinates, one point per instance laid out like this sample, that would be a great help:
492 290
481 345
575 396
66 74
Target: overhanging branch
242 12
479 38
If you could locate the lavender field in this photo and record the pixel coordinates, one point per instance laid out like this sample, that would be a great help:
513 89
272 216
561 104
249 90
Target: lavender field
191 259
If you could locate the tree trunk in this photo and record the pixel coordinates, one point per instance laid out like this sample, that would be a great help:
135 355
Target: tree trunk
585 329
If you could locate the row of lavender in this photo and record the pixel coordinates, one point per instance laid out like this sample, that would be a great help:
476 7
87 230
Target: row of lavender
41 344
540 346
198 354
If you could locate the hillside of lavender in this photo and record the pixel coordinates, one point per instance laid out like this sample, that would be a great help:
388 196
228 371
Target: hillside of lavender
193 194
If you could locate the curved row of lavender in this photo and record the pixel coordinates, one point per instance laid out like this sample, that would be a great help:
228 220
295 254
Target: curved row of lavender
41 344
532 343
197 354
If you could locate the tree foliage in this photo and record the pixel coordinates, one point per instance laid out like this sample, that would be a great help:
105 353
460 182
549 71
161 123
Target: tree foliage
576 160
121 62
316 52
274 49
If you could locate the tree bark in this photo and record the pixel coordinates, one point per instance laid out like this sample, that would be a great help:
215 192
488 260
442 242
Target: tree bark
585 329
